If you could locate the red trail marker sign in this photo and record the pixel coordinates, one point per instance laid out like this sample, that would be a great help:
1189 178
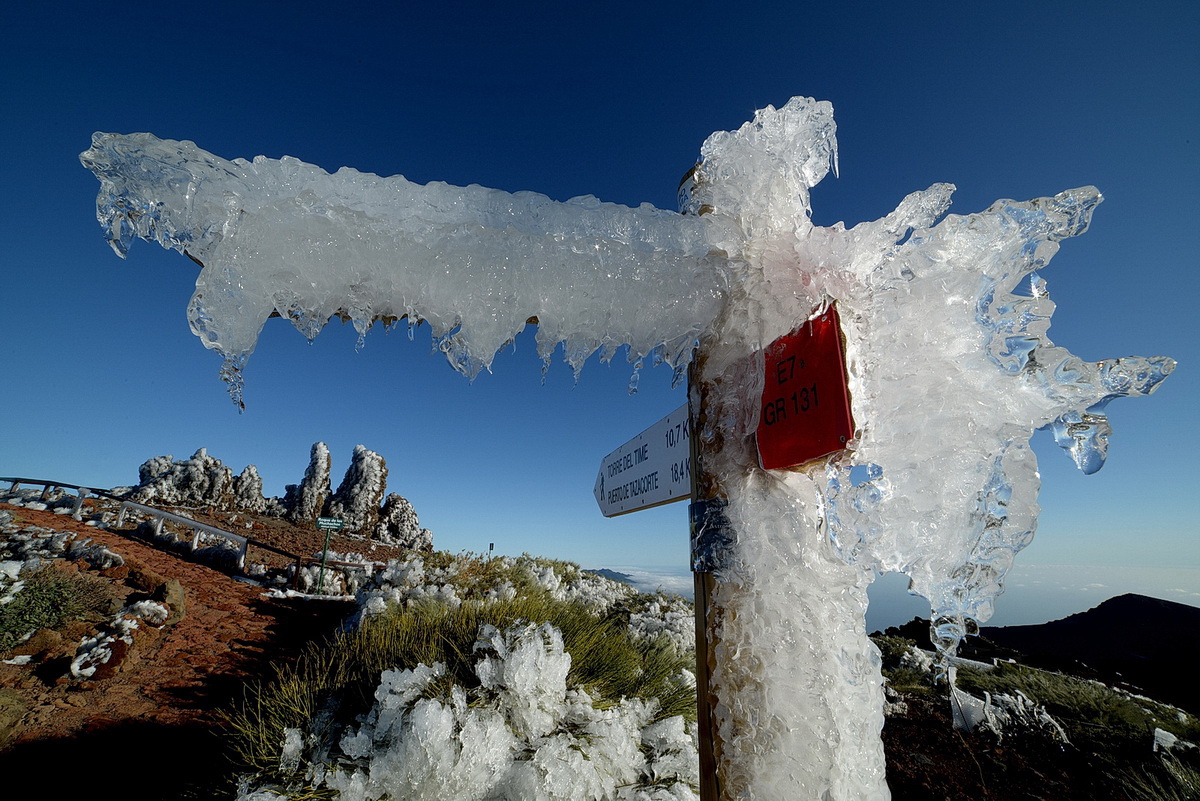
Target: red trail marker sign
805 412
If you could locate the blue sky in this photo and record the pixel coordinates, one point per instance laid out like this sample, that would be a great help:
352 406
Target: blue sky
1020 100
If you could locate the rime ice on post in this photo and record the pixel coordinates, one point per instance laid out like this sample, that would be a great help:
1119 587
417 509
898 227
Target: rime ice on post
945 321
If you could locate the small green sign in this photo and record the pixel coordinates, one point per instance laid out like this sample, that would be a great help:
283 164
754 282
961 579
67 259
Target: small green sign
330 523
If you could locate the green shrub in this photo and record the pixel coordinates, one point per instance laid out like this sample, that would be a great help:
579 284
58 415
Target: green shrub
50 598
1168 779
904 679
1089 711
338 676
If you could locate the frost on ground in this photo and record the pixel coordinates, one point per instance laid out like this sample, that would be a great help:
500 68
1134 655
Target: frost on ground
521 734
96 651
950 370
520 729
24 549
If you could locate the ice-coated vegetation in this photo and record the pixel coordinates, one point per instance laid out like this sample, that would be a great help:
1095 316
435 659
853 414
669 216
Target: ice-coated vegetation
34 594
495 678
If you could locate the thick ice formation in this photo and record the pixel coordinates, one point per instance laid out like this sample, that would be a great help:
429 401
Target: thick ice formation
950 371
282 236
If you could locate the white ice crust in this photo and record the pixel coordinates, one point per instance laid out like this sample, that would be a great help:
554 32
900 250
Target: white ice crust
950 369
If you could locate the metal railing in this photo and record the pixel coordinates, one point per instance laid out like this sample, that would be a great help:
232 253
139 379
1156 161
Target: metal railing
196 527
50 486
243 543
160 516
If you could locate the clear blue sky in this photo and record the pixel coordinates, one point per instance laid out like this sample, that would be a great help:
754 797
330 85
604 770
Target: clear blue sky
100 371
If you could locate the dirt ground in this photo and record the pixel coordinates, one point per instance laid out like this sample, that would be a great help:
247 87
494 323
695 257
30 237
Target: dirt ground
151 726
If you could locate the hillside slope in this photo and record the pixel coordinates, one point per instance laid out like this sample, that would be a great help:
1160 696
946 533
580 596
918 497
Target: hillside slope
1148 643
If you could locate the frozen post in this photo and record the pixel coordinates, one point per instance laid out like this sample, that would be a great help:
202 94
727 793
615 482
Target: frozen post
945 322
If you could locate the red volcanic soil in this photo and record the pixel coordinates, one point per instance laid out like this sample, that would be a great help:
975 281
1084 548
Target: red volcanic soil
150 726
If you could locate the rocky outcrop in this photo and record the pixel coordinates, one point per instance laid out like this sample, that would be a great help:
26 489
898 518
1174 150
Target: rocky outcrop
360 494
306 501
359 502
398 525
247 491
198 481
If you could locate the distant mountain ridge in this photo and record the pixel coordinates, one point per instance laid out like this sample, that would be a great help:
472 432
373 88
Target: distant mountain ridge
1143 643
624 578
1146 642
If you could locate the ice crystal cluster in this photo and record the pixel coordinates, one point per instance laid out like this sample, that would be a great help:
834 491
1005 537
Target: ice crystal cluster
520 734
521 729
950 369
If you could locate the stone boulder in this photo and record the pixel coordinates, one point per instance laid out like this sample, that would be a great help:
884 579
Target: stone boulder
248 491
306 501
360 494
198 481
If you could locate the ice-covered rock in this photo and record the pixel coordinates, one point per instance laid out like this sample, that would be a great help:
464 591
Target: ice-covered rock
360 495
153 468
248 490
98 556
1003 713
398 525
306 501
199 481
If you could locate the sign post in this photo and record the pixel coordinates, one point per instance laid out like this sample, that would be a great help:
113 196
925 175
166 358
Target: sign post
328 525
704 488
741 266
652 469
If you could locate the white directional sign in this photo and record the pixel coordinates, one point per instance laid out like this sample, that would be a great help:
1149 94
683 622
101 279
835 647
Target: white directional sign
653 468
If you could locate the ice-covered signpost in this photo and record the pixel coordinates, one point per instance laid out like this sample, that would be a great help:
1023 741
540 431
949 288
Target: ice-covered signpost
948 364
